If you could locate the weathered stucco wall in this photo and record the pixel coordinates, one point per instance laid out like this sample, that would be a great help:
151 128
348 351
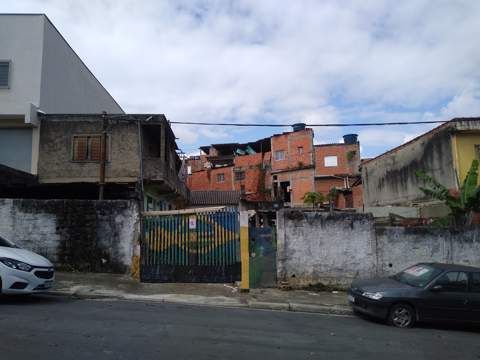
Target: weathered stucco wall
315 247
56 141
400 247
390 179
84 235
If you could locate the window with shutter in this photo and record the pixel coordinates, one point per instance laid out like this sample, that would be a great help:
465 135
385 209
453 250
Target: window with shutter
88 148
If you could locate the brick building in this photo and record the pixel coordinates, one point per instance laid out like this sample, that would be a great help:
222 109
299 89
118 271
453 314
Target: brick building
283 167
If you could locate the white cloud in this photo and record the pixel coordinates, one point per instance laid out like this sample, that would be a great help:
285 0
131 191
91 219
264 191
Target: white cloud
279 61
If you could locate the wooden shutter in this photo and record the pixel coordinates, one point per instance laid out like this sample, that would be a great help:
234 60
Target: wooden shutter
95 148
80 148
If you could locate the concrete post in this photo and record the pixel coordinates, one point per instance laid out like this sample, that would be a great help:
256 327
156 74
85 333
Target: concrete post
244 252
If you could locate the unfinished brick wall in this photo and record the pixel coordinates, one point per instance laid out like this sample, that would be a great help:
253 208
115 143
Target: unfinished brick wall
301 182
253 175
348 159
199 180
298 148
216 183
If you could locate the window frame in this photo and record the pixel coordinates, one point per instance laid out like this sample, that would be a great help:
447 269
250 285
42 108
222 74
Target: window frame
445 273
238 177
330 157
9 74
218 178
280 152
470 282
90 135
299 150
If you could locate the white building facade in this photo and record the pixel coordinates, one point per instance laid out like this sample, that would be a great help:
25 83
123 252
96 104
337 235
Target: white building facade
39 71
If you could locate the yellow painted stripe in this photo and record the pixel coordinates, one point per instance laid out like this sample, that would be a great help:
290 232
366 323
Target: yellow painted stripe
245 258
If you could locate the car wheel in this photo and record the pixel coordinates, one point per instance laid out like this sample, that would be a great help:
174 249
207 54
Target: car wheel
401 316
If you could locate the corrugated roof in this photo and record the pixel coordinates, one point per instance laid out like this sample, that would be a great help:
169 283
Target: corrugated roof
214 197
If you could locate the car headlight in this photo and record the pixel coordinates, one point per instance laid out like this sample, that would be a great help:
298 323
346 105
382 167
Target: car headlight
15 264
373 296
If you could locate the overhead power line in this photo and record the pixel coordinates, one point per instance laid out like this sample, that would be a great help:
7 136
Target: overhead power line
310 125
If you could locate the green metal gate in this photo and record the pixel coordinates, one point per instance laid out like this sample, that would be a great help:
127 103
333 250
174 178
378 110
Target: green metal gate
191 246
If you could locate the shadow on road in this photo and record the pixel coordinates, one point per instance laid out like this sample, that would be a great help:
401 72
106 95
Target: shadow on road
450 326
34 299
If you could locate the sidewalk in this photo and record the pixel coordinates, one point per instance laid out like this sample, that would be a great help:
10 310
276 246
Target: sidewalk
91 285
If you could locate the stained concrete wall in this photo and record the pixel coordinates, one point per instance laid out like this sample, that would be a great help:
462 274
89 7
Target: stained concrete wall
56 141
390 179
400 247
84 235
317 247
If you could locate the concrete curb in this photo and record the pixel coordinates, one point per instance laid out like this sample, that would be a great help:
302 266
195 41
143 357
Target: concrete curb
211 301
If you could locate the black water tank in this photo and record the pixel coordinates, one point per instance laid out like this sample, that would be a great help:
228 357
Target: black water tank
299 126
350 139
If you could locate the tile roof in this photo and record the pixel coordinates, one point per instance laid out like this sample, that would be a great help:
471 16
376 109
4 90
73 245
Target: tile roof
214 197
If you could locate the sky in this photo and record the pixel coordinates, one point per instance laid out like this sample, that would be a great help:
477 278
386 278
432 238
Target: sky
279 61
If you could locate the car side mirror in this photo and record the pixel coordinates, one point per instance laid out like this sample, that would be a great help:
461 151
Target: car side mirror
436 288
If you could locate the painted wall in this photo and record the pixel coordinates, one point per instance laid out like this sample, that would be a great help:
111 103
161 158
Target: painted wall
315 247
16 148
465 152
83 235
318 247
400 247
21 39
67 85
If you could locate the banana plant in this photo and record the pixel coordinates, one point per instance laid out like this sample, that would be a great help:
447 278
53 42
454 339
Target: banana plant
463 205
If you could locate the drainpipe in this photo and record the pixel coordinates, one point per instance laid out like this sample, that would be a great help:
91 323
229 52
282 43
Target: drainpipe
103 148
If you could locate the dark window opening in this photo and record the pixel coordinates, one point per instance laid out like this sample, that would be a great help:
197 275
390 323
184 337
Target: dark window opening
285 191
151 140
239 175
220 178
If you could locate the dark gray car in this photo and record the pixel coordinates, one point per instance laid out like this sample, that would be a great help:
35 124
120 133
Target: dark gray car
423 292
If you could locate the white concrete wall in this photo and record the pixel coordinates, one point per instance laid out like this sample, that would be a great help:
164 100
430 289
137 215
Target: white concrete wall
314 247
45 72
68 86
21 42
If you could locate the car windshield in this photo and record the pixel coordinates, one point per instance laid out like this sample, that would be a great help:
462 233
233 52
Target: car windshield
6 243
418 275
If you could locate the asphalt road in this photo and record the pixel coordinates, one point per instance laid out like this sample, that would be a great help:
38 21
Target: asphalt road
43 327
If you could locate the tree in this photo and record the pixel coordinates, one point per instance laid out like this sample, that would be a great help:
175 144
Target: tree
314 198
463 205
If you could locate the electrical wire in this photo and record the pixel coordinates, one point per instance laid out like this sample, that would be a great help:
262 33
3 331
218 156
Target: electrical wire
310 125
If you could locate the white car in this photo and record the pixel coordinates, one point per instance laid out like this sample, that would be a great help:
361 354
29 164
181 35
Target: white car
22 271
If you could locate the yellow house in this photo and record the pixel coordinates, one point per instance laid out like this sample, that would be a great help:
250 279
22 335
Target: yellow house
466 148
